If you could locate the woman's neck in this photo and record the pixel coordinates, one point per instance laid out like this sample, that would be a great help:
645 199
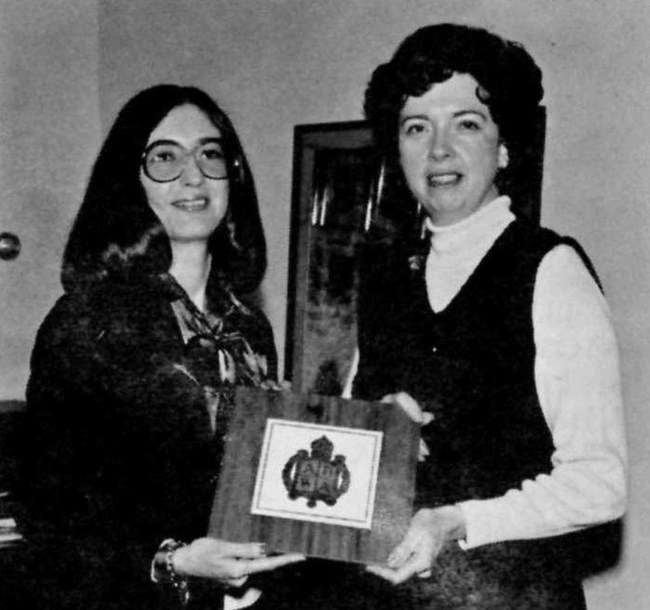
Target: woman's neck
190 268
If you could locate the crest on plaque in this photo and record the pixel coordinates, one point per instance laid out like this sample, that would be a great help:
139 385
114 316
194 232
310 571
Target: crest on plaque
316 476
317 472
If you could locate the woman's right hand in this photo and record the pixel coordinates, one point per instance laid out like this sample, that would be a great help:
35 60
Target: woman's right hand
227 562
410 406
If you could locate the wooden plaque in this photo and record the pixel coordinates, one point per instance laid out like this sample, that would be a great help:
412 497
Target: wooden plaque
306 524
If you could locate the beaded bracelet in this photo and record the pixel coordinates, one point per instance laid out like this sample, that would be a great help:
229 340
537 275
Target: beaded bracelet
178 582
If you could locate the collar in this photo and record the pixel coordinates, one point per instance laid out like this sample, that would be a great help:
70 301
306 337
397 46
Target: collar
474 233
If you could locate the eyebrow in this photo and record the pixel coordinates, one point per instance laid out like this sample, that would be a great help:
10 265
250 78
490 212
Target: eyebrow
201 141
480 113
455 115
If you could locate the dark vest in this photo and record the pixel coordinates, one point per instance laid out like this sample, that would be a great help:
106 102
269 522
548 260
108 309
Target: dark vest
472 366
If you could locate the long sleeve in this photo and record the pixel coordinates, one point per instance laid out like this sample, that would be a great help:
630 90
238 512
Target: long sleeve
578 384
120 444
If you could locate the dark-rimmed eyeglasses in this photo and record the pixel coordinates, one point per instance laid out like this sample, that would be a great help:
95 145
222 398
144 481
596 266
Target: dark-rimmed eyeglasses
164 160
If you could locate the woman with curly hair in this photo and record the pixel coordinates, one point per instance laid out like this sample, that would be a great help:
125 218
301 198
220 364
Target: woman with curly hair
496 338
128 394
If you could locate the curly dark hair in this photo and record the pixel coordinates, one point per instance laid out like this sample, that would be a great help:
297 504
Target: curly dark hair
116 236
510 82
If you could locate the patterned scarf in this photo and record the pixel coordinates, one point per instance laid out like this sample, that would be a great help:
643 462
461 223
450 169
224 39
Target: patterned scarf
217 355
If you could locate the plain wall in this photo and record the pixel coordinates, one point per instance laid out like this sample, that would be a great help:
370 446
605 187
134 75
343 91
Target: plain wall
49 130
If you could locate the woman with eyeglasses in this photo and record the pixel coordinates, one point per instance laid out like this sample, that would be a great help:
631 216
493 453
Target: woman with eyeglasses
126 397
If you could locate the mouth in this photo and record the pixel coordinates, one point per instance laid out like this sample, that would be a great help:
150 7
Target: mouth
441 180
191 205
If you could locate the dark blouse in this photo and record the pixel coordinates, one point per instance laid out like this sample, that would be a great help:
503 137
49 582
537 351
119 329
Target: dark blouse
127 386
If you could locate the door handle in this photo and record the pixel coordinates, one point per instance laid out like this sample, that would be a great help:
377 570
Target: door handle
9 246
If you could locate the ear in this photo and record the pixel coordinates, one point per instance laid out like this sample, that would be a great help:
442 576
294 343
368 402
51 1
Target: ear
503 156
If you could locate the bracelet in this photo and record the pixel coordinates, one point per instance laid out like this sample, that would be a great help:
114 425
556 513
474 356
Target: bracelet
178 582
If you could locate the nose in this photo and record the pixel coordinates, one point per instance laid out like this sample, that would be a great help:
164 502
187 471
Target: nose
192 173
440 146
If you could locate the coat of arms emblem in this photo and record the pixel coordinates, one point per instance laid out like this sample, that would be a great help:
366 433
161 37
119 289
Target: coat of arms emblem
316 476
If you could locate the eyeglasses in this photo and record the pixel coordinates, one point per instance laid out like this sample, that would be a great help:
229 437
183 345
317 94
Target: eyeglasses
164 161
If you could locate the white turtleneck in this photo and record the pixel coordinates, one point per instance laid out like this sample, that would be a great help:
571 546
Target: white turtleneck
578 385
457 249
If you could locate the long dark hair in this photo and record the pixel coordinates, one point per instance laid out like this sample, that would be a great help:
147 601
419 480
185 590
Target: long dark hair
117 237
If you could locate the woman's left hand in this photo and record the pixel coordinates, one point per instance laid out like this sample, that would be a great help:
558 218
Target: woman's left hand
415 412
430 529
230 563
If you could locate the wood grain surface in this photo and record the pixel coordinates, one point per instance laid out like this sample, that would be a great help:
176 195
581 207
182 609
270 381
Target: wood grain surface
231 517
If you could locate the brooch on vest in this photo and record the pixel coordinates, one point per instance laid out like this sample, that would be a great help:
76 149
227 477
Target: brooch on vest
316 476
